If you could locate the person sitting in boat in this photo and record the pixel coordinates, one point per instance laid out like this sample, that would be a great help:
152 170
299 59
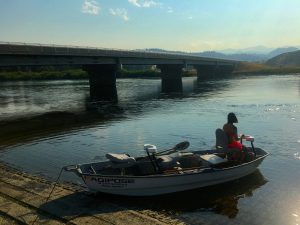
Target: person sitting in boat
233 140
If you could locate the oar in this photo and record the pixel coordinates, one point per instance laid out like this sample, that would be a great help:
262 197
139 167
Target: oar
179 147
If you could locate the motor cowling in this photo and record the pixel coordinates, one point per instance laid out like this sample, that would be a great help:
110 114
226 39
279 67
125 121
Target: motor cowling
150 148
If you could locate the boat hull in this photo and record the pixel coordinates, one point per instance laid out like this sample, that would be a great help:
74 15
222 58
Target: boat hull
164 184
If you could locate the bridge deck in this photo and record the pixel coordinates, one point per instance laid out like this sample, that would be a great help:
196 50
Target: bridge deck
25 51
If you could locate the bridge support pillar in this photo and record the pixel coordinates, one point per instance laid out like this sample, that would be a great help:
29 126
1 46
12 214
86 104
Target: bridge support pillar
226 69
206 71
102 79
171 78
213 71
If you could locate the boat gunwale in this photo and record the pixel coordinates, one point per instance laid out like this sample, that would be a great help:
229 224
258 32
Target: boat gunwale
203 170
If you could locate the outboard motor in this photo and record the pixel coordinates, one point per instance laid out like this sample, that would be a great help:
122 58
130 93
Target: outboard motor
151 149
251 139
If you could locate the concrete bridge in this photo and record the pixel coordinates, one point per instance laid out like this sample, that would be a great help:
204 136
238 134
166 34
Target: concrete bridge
102 64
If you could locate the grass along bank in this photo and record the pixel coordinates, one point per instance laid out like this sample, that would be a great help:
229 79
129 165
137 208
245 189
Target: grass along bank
249 68
246 68
43 75
73 74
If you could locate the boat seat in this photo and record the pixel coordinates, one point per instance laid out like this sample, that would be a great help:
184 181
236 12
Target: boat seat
120 160
221 139
222 142
167 162
172 160
213 159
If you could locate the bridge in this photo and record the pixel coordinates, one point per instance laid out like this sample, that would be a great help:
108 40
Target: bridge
102 64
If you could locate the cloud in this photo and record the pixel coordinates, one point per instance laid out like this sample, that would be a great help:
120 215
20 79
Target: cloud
90 7
143 3
119 12
170 10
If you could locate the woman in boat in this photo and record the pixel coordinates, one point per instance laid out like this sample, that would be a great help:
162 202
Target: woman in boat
233 140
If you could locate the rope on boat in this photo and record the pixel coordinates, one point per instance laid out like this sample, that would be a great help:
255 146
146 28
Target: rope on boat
62 169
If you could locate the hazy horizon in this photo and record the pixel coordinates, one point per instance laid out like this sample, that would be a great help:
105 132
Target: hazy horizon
176 25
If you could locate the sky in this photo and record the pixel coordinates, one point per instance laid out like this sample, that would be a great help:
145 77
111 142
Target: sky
184 25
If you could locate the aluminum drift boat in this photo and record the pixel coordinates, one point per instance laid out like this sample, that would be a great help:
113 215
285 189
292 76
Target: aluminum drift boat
165 172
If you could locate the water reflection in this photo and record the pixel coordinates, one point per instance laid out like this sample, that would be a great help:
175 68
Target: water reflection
28 98
208 86
222 199
143 115
76 111
49 124
297 155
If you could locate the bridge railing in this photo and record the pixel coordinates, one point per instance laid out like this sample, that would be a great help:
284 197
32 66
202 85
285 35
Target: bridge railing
69 50
33 48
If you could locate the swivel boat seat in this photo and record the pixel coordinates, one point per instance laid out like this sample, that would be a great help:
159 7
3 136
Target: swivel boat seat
222 143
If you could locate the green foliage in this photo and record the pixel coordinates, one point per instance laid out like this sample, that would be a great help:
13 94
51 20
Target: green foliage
73 74
44 75
147 73
264 69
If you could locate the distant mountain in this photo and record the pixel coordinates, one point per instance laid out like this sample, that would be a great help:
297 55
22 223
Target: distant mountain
253 54
251 50
211 54
249 57
258 53
239 57
159 50
285 59
257 50
279 51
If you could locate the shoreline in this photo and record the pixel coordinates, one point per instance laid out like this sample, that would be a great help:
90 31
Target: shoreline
79 75
23 201
84 78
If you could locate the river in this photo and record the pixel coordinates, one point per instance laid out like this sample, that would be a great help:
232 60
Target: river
49 124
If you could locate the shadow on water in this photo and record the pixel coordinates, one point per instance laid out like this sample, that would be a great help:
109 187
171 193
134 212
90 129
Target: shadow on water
22 130
221 199
49 124
208 86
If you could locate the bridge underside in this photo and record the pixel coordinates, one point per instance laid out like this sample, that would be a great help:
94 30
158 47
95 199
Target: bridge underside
102 78
102 65
213 71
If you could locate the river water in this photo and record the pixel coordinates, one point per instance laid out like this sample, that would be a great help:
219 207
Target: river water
46 125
